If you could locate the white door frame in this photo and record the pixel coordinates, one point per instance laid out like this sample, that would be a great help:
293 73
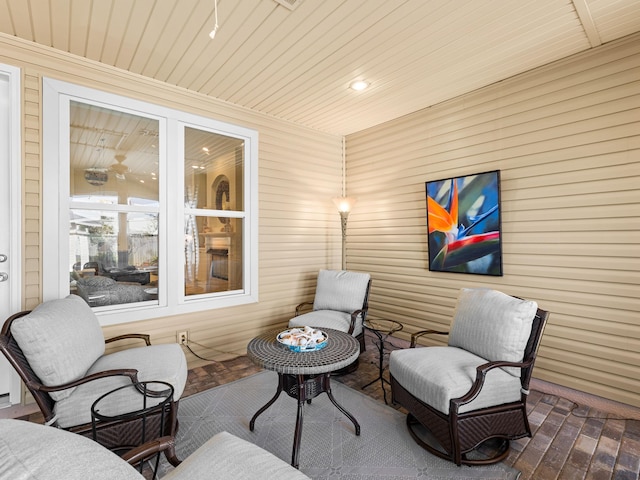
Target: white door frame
13 182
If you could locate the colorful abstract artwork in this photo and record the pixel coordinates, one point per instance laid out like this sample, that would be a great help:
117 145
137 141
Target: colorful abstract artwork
463 222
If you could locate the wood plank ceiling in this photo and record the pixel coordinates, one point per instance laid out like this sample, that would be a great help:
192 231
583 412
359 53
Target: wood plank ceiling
294 59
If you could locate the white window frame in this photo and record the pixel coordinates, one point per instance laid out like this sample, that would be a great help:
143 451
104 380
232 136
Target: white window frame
57 97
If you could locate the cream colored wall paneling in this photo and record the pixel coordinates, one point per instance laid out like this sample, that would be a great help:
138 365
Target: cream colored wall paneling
299 230
566 138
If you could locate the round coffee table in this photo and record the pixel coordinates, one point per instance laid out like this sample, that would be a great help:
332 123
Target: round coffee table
304 375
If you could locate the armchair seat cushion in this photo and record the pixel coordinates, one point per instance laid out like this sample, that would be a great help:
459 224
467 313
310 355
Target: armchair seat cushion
227 456
327 319
35 452
165 363
435 375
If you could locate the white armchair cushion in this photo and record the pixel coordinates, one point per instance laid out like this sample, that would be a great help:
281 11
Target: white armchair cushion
493 325
61 339
229 457
166 363
30 451
327 319
340 290
435 375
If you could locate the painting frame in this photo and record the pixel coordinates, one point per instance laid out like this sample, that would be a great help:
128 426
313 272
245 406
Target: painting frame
464 224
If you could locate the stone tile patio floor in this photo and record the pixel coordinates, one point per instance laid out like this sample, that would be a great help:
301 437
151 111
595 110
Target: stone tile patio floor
570 442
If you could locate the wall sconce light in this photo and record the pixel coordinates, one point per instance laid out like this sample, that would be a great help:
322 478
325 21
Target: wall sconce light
344 206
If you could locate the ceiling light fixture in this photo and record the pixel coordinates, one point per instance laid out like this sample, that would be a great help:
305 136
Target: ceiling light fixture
212 33
358 85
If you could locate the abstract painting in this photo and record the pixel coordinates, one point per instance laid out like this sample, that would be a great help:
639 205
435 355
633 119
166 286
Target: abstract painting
463 223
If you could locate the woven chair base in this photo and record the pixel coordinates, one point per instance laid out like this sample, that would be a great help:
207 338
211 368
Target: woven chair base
483 455
476 431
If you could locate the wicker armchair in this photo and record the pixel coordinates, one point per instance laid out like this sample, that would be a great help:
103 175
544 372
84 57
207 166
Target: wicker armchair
58 351
341 302
475 388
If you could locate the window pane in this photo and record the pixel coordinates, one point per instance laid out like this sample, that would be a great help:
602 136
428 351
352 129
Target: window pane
113 156
102 158
213 260
214 173
113 256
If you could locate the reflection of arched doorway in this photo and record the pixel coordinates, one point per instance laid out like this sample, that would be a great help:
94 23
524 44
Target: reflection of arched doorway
220 189
218 246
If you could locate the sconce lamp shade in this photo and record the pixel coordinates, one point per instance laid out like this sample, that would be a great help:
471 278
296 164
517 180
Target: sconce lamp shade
344 204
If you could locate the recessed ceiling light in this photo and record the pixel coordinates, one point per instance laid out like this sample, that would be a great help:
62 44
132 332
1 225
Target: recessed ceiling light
358 85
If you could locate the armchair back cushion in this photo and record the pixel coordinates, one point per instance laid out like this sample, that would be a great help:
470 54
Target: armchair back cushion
492 325
340 290
61 339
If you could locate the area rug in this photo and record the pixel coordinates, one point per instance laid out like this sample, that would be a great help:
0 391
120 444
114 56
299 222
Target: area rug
330 449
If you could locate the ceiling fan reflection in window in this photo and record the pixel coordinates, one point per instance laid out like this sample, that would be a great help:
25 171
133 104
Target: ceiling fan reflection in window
117 156
119 168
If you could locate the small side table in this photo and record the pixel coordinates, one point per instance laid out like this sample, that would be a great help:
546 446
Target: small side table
382 329
141 407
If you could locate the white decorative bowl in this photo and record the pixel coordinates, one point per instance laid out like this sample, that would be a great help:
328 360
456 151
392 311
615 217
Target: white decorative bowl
292 337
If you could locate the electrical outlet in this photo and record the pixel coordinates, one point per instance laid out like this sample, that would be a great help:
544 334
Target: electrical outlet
182 337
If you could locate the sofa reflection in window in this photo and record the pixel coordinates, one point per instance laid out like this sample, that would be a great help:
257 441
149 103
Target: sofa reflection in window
99 291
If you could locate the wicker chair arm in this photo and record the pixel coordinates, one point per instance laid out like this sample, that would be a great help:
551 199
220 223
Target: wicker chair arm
414 336
148 449
302 306
142 336
481 373
127 372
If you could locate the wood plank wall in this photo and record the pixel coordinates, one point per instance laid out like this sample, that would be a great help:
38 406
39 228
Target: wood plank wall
300 171
566 138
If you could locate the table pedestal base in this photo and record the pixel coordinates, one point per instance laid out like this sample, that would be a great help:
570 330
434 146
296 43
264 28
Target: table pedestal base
303 388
